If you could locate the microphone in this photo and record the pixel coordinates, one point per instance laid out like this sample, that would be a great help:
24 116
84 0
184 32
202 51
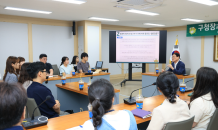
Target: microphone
47 98
38 121
131 100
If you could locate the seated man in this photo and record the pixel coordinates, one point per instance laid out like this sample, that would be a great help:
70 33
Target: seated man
177 66
13 100
37 71
83 65
49 69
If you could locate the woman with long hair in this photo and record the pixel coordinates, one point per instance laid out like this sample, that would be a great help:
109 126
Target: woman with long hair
65 67
101 97
21 61
12 65
204 100
74 62
24 78
173 109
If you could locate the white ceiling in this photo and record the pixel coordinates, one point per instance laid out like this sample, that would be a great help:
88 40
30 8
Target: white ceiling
170 12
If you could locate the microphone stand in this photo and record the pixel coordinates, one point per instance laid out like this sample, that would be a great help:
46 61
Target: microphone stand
131 100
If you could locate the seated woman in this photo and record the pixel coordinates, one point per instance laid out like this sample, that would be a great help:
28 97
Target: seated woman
24 78
204 99
65 67
101 97
21 61
74 62
12 65
173 108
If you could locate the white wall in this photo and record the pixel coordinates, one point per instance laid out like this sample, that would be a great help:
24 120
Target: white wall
80 41
208 53
55 41
93 45
13 42
113 67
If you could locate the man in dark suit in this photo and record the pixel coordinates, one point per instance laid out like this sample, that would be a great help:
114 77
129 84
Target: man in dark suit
177 67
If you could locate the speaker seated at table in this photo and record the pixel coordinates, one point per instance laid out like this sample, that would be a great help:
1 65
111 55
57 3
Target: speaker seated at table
177 67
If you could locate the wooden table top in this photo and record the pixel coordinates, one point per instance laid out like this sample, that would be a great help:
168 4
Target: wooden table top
178 76
78 75
74 87
101 69
76 119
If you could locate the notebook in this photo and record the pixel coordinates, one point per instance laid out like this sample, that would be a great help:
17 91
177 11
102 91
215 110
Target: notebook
141 113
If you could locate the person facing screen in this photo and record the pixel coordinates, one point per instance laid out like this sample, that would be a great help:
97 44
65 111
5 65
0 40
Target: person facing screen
21 61
177 66
24 77
38 91
83 65
173 109
13 101
101 97
74 62
65 67
49 69
12 65
204 100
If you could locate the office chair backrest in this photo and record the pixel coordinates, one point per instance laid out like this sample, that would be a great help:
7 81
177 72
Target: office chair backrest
188 71
182 125
56 70
213 125
31 105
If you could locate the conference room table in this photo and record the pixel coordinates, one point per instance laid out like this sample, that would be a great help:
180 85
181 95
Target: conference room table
52 81
149 78
76 119
72 98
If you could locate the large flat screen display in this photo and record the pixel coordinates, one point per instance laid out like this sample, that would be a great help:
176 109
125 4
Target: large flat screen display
137 46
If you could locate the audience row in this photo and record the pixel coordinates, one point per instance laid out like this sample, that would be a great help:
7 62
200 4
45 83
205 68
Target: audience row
202 104
13 66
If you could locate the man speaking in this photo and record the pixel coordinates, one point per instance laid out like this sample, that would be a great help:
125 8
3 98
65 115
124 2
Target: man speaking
177 67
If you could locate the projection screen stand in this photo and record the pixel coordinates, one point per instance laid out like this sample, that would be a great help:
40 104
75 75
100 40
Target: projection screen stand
130 73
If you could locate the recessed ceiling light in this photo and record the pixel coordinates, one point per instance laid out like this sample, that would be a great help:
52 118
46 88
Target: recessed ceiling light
27 10
205 2
192 20
152 24
141 12
72 1
104 19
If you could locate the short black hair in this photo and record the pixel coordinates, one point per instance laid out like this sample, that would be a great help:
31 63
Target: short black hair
177 54
13 99
42 55
84 54
34 68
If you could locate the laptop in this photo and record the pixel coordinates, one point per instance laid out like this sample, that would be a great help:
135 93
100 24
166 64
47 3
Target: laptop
99 65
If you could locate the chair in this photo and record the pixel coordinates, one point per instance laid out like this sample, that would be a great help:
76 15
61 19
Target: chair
188 71
56 70
213 125
31 105
182 125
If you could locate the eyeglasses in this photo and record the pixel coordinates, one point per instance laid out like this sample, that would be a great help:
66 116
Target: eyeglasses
43 71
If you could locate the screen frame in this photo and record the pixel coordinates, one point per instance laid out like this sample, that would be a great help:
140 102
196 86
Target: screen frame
162 47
